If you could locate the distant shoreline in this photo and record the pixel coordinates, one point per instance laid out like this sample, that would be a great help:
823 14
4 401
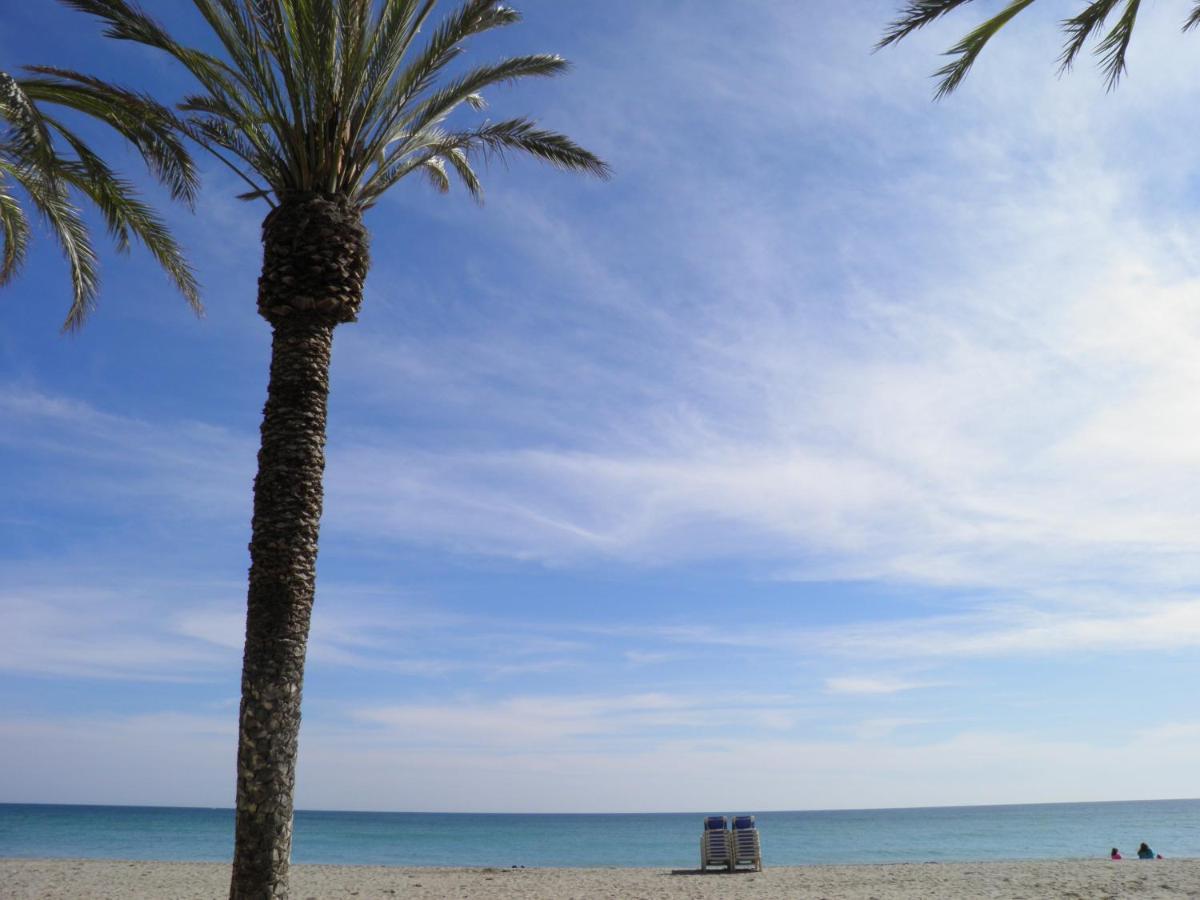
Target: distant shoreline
68 879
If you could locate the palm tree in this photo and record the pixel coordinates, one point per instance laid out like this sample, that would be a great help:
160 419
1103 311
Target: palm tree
1086 25
320 106
47 162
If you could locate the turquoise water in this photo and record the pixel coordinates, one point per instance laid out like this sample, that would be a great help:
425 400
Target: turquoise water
663 840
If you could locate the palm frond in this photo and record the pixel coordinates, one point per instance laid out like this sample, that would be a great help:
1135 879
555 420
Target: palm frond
441 103
271 33
128 22
48 161
549 146
121 206
14 235
968 49
1115 45
89 174
472 18
216 135
28 141
125 215
916 14
151 127
1193 18
230 128
50 200
466 174
434 169
395 30
1081 27
490 140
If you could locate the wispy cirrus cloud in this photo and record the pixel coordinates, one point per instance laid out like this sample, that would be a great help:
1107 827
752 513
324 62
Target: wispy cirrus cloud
70 630
555 722
997 631
74 453
973 371
116 623
873 685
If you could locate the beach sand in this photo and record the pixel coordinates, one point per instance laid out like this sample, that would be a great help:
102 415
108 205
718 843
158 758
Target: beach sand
1082 879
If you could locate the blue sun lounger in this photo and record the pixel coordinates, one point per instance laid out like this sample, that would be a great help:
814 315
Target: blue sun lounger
715 848
747 850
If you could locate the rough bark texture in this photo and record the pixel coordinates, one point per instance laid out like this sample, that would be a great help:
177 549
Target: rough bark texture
314 263
314 260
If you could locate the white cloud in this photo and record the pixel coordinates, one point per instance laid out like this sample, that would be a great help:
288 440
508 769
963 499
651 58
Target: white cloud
883 727
860 684
191 468
998 630
120 622
75 631
1017 631
550 723
1020 423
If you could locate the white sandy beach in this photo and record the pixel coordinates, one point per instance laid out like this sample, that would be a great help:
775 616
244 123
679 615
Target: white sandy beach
1082 879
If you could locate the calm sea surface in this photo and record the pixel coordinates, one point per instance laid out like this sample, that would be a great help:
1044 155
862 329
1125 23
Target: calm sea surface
669 840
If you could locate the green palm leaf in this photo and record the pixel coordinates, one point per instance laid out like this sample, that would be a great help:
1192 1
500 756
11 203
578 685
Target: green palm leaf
45 187
968 49
46 161
916 14
152 128
14 234
1193 18
1111 50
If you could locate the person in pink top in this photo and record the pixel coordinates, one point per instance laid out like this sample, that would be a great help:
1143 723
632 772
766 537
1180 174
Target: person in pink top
1116 854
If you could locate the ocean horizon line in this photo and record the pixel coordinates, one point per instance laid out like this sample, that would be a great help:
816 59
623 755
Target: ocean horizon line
699 811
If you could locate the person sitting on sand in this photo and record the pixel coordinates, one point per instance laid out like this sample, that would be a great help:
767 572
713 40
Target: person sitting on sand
1144 851
1116 854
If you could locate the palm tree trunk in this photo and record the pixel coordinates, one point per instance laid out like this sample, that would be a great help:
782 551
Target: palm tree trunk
314 264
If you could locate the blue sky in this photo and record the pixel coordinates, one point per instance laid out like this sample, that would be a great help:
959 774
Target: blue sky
840 452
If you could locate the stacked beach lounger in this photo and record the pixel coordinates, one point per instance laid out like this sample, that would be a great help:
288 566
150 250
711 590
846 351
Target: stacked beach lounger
715 846
746 848
722 848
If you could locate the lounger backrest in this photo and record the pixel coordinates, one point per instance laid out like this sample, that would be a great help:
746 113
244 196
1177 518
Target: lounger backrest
715 822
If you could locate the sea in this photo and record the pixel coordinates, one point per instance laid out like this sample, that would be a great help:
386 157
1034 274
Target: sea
660 840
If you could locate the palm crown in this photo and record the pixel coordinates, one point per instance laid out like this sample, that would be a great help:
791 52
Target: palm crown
47 161
1088 24
337 96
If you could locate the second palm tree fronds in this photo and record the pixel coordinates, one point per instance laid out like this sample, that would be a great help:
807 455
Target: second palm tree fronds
1089 24
321 107
49 163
